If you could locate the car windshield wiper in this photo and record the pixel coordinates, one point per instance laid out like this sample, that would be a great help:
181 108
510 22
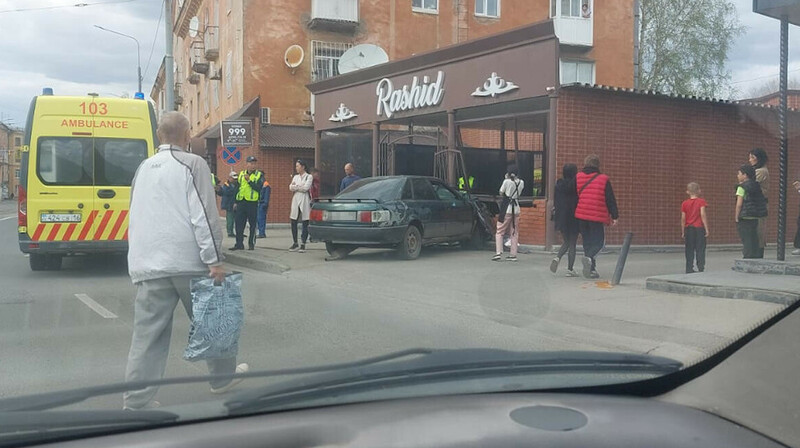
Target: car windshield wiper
51 400
448 366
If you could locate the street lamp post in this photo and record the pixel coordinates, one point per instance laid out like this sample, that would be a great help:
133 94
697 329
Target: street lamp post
138 53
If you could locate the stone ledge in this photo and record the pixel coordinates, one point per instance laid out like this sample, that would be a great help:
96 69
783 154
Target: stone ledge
762 266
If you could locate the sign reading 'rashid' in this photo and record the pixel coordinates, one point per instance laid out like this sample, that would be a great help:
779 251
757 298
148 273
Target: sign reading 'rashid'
416 96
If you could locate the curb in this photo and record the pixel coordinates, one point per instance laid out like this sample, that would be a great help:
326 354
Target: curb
723 292
256 263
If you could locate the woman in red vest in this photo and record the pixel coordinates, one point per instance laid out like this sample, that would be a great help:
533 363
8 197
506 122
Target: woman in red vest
597 208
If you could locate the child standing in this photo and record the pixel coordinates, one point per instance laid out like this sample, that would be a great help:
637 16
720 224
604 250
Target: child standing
750 205
694 228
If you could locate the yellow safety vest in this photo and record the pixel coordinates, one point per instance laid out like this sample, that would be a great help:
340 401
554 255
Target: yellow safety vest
246 192
461 182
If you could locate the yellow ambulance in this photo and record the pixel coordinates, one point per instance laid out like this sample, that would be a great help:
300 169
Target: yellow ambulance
79 157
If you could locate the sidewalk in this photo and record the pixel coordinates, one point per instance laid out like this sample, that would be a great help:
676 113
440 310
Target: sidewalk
272 253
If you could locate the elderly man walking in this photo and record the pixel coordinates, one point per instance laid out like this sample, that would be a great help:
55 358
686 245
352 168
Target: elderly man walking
174 235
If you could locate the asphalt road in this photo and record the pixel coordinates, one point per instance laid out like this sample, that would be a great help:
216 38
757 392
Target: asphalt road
72 328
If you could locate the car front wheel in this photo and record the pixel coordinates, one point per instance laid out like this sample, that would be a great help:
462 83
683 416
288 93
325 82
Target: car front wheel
411 245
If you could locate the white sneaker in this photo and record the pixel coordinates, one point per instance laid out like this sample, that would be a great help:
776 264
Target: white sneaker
796 252
241 368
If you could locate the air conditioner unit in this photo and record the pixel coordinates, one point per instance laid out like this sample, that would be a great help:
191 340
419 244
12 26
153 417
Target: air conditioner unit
264 116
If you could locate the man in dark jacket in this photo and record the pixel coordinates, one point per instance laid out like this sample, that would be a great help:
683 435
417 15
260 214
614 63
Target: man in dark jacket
597 208
227 190
263 208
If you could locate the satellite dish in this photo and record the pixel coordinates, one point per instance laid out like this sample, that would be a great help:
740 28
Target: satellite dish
362 56
194 26
294 56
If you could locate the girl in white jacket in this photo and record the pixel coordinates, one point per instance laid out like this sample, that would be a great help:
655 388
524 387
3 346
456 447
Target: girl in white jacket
301 203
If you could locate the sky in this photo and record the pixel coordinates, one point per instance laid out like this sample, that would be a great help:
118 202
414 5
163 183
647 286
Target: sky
59 47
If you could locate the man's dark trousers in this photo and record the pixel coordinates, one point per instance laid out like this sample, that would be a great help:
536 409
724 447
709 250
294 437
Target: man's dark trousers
695 238
246 212
594 238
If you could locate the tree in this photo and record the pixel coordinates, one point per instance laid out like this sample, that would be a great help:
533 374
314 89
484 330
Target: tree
684 46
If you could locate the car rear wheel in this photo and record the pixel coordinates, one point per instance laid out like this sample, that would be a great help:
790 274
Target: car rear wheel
339 250
38 262
411 245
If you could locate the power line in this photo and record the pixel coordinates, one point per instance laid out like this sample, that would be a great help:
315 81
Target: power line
155 36
75 5
764 77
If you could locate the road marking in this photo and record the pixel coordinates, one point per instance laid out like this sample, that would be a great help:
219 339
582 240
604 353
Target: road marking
96 307
7 217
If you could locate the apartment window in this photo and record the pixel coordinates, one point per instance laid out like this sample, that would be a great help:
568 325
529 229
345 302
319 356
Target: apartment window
17 141
228 75
577 71
429 6
16 173
206 99
487 8
215 87
572 8
326 58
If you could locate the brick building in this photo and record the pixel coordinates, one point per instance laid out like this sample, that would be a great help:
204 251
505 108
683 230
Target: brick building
10 147
650 144
229 60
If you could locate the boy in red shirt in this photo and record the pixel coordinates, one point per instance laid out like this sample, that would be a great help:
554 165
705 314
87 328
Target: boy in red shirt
694 228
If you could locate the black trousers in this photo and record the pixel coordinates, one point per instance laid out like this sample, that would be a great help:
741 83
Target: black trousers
748 232
594 238
570 241
695 248
294 231
246 213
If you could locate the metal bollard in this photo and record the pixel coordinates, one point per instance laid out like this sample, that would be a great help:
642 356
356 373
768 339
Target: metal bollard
623 256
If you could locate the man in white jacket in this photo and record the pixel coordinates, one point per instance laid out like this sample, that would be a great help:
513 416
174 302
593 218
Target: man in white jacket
174 235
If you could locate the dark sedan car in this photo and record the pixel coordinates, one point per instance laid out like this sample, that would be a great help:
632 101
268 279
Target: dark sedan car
402 212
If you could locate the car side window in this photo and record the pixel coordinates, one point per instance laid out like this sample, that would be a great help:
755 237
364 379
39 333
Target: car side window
422 190
444 193
407 191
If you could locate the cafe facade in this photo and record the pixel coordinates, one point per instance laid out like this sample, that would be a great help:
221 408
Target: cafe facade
468 112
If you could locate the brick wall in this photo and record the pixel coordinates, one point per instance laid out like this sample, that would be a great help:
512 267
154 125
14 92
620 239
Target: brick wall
277 165
532 223
651 147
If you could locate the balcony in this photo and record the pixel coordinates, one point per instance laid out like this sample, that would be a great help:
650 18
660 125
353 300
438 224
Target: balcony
334 15
199 62
211 40
194 78
573 21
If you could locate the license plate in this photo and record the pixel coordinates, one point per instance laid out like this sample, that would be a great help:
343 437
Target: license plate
60 217
343 216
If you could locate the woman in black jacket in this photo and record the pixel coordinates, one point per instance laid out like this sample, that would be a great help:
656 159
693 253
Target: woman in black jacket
566 199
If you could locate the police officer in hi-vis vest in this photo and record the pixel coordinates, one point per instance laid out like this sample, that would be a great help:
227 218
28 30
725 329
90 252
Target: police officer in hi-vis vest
246 206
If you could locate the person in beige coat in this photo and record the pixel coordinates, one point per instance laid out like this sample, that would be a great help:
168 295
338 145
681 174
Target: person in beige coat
301 203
